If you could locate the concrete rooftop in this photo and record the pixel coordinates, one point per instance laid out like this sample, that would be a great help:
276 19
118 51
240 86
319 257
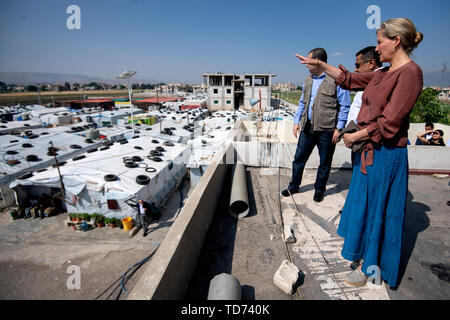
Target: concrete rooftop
252 248
35 254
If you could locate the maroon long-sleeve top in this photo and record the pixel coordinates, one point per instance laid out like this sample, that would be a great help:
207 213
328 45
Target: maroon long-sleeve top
387 101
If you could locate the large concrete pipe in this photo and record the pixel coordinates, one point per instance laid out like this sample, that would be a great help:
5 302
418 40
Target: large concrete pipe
224 287
239 207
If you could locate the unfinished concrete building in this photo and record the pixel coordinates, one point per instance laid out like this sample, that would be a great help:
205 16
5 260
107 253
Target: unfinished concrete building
230 91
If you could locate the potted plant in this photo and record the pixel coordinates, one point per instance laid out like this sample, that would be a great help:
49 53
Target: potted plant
94 217
86 217
112 222
99 221
76 217
108 222
118 223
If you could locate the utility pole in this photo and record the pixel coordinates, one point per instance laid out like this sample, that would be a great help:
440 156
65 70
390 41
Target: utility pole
59 172
39 93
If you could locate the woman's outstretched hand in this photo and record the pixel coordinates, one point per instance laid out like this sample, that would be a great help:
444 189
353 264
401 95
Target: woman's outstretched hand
311 62
317 66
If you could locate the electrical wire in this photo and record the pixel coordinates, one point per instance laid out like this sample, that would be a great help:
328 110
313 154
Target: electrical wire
314 240
125 276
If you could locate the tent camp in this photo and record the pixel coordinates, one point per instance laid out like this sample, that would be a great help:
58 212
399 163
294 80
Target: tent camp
22 155
106 180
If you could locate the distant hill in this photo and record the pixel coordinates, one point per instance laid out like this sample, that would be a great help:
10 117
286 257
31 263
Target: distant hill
431 78
25 78
436 78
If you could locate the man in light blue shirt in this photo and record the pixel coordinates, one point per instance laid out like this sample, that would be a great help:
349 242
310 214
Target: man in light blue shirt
343 97
326 113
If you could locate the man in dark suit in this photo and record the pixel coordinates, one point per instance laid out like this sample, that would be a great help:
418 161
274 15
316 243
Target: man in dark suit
143 215
321 115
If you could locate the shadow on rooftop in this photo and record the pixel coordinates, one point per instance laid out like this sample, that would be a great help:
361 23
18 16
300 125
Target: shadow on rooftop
216 256
416 221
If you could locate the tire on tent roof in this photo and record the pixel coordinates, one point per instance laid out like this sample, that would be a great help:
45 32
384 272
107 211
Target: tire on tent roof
124 141
92 150
156 153
155 158
32 158
160 149
169 144
11 152
104 148
75 146
155 141
89 140
130 164
138 147
150 169
142 179
148 128
79 157
27 145
26 176
136 158
110 177
52 153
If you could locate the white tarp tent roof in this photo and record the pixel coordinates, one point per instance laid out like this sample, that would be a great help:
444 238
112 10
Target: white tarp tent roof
38 112
18 125
39 147
85 178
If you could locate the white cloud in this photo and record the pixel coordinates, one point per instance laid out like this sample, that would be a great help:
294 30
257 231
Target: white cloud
337 54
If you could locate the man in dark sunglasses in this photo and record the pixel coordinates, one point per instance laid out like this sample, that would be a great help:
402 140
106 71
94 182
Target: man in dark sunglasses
367 60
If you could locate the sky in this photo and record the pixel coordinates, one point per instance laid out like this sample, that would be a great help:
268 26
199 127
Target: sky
179 40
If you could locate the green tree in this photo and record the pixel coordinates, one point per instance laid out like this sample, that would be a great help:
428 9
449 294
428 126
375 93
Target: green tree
31 88
3 87
67 85
428 108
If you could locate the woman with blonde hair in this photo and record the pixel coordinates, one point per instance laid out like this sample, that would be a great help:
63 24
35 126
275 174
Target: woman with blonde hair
373 216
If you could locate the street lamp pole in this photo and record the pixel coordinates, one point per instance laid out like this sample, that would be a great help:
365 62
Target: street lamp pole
130 92
127 75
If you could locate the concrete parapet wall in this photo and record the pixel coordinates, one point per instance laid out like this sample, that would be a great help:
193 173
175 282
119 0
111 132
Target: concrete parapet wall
280 154
168 273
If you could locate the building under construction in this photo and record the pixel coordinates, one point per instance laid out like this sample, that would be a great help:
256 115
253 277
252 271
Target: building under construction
230 91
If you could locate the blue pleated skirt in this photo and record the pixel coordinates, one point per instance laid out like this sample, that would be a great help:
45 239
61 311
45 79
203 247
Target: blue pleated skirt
374 212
